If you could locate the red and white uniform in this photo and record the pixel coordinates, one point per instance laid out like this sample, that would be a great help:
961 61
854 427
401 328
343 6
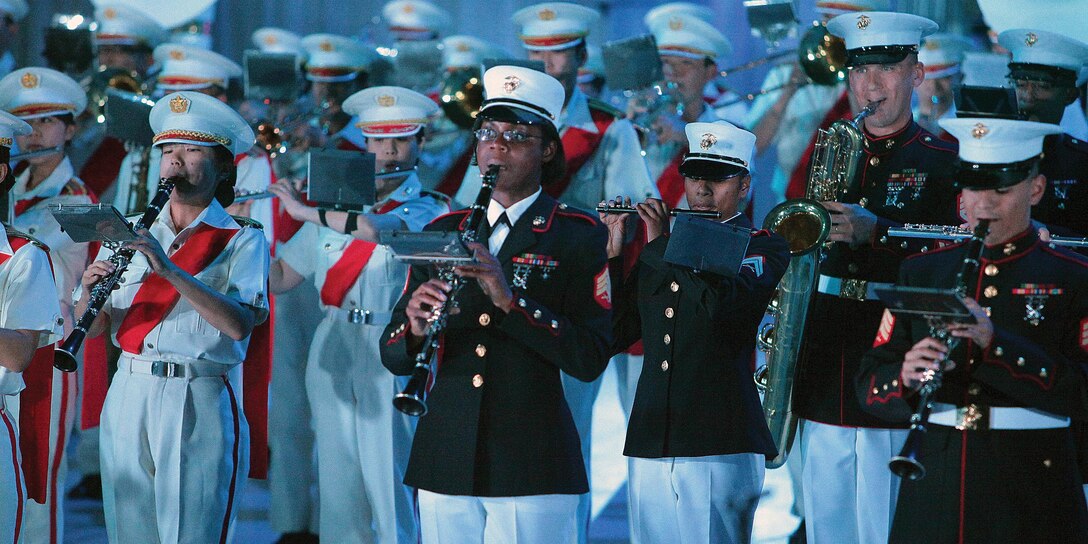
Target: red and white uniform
175 443
362 441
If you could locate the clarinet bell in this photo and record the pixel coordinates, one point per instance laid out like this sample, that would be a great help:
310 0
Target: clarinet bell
64 360
906 464
410 403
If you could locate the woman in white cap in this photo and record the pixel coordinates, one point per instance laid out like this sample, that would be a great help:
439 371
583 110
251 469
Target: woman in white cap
29 321
50 101
175 445
362 442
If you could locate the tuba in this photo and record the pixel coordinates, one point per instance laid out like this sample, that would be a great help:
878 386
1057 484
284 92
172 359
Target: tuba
805 225
461 95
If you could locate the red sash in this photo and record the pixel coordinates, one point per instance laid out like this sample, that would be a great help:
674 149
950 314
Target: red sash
799 177
578 146
342 275
100 171
671 184
256 375
35 404
156 297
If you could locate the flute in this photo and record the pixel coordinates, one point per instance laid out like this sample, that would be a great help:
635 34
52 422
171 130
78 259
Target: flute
957 233
673 212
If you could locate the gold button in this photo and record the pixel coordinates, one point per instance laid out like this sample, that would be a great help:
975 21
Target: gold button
481 350
485 320
988 311
674 287
863 202
998 351
1042 373
895 383
669 313
990 291
1020 361
991 270
876 391
874 161
1046 463
664 365
477 381
668 339
327 246
537 314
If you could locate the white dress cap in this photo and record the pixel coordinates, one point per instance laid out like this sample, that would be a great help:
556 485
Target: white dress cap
10 127
16 8
1046 48
686 9
333 58
185 68
942 54
277 40
553 26
195 118
415 19
689 37
524 89
717 150
462 51
121 24
880 37
29 93
389 112
998 141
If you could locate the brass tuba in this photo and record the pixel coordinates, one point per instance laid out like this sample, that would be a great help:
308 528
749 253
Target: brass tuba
461 95
805 225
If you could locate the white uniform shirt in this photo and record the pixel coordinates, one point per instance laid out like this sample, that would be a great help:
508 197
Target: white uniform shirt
315 249
615 168
499 231
69 258
27 301
240 272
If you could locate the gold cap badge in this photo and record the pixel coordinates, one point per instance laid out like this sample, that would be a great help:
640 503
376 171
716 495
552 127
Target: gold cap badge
386 101
863 22
979 131
676 23
110 13
29 80
270 39
708 140
462 47
1031 39
177 54
546 15
408 8
325 46
180 104
511 84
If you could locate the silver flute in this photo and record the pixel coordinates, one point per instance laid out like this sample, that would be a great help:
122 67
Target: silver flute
955 232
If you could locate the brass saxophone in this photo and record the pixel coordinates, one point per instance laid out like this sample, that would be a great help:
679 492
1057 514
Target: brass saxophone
805 225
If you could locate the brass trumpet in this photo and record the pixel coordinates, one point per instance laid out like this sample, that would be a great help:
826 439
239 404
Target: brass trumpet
673 212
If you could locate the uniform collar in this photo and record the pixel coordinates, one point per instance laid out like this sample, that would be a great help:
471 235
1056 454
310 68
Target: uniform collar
5 245
1013 248
514 212
49 187
213 216
886 145
407 190
576 113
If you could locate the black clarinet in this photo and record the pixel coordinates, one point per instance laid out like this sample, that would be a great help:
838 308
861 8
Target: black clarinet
906 464
413 400
64 357
672 212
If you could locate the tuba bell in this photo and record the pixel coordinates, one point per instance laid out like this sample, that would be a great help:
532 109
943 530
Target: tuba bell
461 95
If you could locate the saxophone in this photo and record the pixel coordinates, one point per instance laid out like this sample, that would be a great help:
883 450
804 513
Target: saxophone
805 225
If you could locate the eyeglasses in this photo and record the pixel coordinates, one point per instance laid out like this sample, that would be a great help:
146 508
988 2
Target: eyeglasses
1038 85
515 137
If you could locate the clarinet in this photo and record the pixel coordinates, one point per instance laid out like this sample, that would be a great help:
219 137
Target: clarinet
64 356
906 464
672 212
413 399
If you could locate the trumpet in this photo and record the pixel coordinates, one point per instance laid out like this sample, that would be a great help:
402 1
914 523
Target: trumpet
957 233
673 212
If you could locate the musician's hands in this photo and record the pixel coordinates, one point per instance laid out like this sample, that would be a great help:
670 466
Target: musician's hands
290 199
922 359
655 214
156 257
427 300
94 274
850 223
488 273
981 332
616 224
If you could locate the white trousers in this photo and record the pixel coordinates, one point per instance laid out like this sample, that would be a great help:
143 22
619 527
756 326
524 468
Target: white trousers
12 491
580 398
175 456
692 500
531 519
362 441
292 469
849 492
628 369
44 523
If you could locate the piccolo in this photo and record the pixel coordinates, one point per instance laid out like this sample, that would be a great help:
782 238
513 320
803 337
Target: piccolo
673 212
38 153
956 233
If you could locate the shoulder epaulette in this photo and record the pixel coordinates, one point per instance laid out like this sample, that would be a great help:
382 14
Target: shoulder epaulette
13 233
248 222
595 104
463 211
436 195
928 139
576 213
74 187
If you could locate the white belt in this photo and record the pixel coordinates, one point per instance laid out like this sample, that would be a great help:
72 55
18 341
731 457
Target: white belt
994 417
360 316
166 369
849 288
